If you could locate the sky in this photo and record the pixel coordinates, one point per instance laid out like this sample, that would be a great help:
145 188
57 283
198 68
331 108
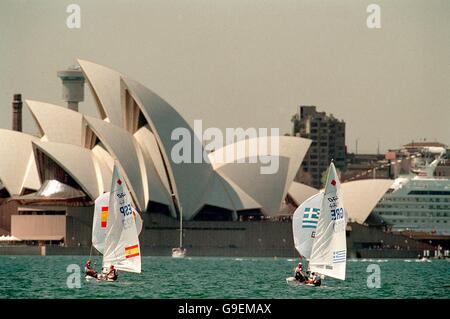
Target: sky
247 63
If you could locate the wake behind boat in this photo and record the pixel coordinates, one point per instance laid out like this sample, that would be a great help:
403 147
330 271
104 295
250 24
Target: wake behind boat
115 230
319 230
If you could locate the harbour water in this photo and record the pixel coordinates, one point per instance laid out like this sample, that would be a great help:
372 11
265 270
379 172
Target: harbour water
201 277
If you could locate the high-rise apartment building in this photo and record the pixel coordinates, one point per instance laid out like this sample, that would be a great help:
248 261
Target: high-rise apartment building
328 141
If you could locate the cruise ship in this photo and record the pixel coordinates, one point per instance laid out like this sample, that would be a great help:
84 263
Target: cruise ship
418 202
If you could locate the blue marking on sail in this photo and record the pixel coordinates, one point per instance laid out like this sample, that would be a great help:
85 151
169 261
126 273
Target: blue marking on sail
310 217
339 256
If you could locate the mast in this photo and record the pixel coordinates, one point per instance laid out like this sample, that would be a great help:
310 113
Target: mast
181 226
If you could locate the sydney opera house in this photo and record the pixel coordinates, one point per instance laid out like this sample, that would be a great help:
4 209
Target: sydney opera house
49 182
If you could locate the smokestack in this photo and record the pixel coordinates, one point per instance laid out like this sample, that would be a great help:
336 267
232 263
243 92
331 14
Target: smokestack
17 113
73 86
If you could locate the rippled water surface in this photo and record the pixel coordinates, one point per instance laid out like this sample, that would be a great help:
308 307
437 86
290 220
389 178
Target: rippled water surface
198 277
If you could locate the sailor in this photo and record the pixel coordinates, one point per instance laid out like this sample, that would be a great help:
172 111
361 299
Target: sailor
299 275
315 279
112 274
88 270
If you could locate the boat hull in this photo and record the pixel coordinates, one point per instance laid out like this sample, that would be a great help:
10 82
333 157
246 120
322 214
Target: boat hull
178 253
294 282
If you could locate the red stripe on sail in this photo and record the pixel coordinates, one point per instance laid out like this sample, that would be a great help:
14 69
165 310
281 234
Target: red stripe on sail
130 256
104 219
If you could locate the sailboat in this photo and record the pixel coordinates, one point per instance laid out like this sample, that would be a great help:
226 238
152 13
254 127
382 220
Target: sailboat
116 227
180 252
319 230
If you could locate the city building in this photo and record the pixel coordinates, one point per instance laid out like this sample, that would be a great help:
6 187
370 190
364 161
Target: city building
405 159
418 147
443 169
366 166
328 142
73 86
395 162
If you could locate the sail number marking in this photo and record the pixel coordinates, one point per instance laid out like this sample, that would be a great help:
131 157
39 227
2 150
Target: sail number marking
337 213
126 210
332 199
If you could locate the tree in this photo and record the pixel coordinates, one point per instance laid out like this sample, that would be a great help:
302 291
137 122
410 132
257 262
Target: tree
296 124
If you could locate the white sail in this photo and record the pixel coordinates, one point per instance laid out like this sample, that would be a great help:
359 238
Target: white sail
304 224
121 243
329 250
138 220
100 221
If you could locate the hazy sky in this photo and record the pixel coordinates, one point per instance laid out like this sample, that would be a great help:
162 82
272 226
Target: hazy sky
247 63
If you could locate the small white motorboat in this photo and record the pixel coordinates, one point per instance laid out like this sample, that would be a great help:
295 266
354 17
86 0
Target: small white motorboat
179 252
